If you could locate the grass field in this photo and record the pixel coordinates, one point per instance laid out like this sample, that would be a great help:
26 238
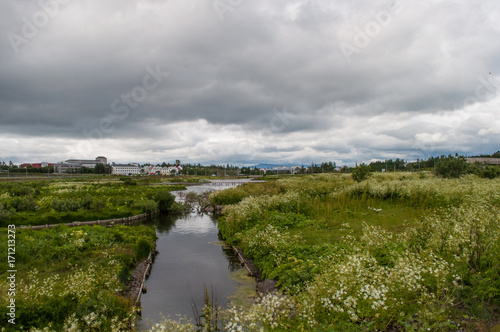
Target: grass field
401 251
53 201
396 252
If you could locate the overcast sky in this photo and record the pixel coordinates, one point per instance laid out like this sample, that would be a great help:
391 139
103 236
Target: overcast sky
248 81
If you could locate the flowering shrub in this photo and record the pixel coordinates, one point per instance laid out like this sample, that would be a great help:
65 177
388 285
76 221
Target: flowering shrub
70 277
423 274
251 210
270 312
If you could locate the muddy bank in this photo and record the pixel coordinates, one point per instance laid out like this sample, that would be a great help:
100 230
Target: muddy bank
263 286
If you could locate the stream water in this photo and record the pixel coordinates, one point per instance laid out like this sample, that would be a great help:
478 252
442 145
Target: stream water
190 258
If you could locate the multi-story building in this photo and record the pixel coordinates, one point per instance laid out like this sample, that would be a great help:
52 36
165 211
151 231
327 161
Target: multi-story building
158 170
73 164
88 163
125 169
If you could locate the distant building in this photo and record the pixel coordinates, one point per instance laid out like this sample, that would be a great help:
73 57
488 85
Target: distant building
152 170
67 167
487 161
171 170
125 169
37 165
72 164
158 170
88 163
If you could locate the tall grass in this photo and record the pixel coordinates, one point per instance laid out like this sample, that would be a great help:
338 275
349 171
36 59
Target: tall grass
405 252
73 279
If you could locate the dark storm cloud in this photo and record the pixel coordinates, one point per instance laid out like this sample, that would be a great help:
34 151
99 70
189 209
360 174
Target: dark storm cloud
334 66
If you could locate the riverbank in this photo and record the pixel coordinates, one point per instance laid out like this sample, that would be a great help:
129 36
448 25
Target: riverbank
135 286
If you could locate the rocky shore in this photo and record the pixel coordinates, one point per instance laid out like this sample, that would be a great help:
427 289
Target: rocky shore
135 286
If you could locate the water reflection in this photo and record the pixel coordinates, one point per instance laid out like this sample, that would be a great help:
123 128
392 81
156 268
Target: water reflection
193 224
163 223
233 263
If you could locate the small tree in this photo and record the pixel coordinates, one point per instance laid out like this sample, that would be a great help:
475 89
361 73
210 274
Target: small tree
164 199
451 167
99 169
361 172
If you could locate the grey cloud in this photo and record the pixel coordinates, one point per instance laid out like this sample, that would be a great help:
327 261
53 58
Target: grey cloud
430 58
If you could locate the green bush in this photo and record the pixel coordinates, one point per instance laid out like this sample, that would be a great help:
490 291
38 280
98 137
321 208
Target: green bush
164 199
451 167
90 203
5 213
21 191
491 172
180 207
146 205
484 171
361 173
128 181
23 204
65 204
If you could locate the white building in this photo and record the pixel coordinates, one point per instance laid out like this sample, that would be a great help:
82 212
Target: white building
157 170
122 169
151 170
171 170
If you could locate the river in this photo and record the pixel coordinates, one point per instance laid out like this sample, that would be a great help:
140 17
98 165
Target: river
190 258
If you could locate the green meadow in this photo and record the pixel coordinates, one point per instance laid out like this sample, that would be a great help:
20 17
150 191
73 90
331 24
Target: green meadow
398 252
